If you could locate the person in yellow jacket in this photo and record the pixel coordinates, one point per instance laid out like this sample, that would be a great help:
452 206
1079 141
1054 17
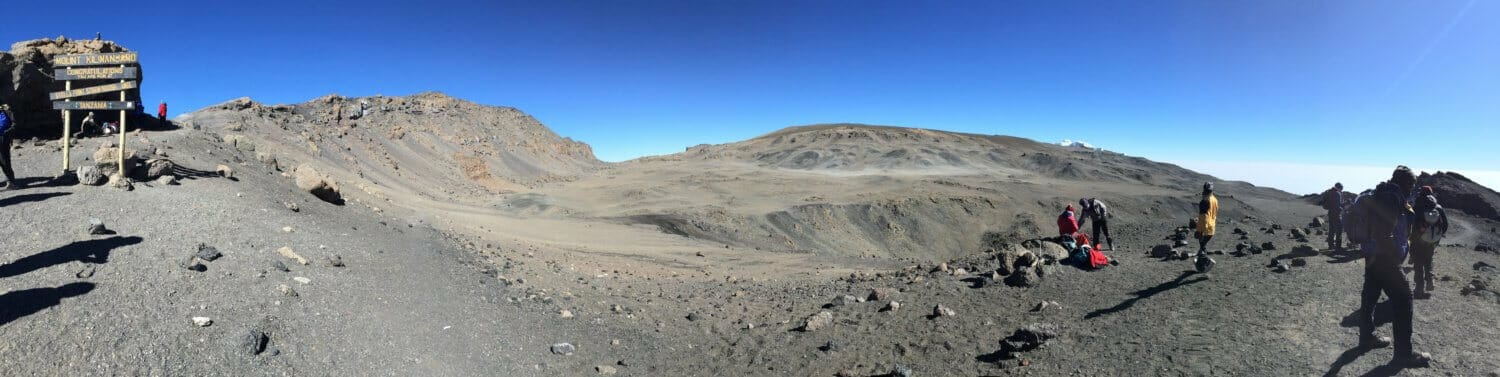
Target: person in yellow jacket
1208 217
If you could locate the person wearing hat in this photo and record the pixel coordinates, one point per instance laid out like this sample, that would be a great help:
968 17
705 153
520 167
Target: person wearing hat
1333 202
1094 209
1390 226
1208 217
1431 225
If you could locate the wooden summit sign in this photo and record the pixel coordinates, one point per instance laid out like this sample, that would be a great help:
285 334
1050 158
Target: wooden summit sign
93 105
115 58
92 90
97 73
120 71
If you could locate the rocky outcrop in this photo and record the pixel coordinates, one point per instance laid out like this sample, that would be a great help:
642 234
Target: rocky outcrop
1454 191
26 79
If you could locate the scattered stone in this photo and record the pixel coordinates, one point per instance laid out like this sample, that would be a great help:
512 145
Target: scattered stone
831 346
1268 245
1317 222
565 349
1044 305
1241 247
1028 338
1279 266
605 370
569 314
942 311
1299 233
901 371
302 280
277 265
1304 251
191 263
308 179
290 254
333 260
881 294
156 168
224 171
942 267
286 290
1484 247
1052 250
818 321
891 306
167 180
253 341
1023 278
86 272
90 175
1162 251
96 227
960 272
207 253
292 206
1299 262
1179 243
202 321
120 182
841 301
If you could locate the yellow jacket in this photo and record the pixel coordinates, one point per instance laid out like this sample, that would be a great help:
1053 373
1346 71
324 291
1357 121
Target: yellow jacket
1208 218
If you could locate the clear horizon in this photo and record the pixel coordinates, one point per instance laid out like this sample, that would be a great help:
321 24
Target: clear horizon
1280 94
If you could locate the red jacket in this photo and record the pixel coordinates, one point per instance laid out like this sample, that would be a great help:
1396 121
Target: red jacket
1066 223
161 111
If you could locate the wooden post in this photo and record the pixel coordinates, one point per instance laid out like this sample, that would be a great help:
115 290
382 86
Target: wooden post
67 129
123 116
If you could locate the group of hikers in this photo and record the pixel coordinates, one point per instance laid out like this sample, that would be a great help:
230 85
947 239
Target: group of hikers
1390 224
88 125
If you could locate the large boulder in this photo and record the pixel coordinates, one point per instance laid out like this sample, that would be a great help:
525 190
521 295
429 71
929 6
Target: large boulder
1051 250
310 180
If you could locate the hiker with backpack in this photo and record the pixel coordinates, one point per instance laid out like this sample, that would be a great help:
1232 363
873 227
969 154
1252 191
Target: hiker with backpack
1207 222
5 127
1386 217
1432 224
1094 209
1333 202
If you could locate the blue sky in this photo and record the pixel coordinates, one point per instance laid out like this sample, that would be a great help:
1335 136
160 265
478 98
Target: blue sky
1220 85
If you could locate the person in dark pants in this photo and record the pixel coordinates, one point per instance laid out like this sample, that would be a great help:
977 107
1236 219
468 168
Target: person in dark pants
5 127
1208 217
1094 209
1333 202
1390 220
1432 224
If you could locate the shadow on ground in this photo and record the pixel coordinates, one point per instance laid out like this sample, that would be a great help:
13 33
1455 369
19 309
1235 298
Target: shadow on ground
1180 281
91 251
15 305
26 198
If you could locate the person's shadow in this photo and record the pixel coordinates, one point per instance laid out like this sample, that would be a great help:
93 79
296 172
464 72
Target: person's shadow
1182 280
26 198
91 251
17 304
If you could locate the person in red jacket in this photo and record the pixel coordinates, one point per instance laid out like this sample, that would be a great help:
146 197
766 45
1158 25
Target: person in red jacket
1067 223
161 111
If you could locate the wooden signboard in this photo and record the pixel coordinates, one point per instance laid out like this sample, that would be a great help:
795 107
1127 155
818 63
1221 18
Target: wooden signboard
92 90
115 58
97 73
93 105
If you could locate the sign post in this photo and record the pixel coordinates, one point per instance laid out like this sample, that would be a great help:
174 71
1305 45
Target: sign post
97 68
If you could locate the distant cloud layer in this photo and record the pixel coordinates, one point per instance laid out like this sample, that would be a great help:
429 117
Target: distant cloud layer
1312 178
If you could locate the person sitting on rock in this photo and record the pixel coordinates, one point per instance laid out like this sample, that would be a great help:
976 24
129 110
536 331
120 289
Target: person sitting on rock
1208 217
1094 209
89 125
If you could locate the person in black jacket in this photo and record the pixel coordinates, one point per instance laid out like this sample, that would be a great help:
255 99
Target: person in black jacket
1333 202
6 124
1390 222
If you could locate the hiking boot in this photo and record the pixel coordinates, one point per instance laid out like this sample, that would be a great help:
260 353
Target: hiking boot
1375 342
1412 360
5 186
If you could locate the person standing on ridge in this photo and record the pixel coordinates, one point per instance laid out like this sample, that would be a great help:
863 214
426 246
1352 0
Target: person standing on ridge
1094 209
161 112
1389 223
1333 202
